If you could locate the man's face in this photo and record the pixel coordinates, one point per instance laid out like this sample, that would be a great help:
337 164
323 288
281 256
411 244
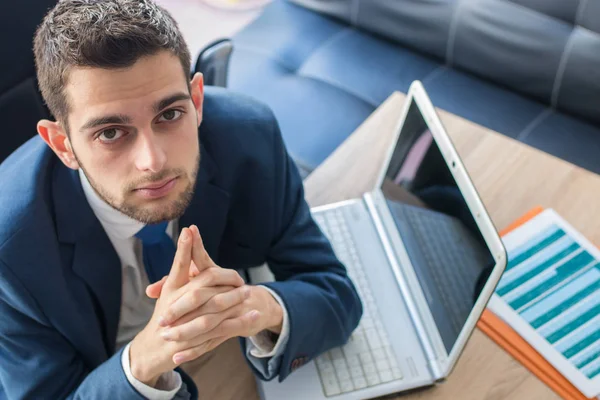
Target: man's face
134 132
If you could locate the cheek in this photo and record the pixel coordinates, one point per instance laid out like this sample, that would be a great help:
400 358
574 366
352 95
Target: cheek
184 144
106 169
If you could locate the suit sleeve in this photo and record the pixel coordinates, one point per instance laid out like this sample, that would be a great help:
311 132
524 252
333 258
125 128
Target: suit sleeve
322 303
36 361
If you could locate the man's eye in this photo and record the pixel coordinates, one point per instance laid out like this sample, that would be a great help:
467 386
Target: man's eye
170 115
111 135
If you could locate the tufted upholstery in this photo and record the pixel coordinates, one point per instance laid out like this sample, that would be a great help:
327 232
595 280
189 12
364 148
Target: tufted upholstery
21 105
527 68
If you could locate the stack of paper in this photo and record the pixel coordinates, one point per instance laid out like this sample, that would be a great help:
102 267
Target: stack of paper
546 309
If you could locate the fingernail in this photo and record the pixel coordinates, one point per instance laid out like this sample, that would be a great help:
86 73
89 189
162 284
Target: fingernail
254 315
246 292
166 334
184 235
162 322
178 359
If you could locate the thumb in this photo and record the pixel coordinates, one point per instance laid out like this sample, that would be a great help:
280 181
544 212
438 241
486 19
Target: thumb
153 290
179 274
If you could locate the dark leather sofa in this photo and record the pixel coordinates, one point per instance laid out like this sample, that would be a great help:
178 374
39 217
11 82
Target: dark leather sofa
529 69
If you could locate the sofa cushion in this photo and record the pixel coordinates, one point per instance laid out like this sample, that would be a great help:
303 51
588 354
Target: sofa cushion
19 20
322 78
525 45
315 117
417 24
481 102
21 107
327 89
510 45
587 15
366 66
578 84
283 24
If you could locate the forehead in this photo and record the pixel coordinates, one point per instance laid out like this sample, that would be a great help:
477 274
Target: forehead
92 91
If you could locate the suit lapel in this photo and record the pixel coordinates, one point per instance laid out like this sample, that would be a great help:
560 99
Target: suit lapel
94 258
209 206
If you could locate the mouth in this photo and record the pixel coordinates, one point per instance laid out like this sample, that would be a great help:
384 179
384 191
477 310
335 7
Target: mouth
157 189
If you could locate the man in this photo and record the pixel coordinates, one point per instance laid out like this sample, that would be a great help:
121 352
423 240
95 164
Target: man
144 179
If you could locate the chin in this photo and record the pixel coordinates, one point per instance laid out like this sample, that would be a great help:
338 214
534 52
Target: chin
159 210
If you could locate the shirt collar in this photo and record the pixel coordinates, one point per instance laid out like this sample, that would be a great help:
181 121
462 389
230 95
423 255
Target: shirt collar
115 223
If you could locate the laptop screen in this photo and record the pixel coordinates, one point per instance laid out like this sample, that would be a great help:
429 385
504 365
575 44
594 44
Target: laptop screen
449 255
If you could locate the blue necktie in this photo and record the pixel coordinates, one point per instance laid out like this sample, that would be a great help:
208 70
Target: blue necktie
158 250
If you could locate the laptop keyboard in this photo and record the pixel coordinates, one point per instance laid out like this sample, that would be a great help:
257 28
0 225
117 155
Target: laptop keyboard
367 359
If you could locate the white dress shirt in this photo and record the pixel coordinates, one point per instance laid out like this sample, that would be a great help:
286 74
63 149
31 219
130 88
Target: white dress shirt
137 308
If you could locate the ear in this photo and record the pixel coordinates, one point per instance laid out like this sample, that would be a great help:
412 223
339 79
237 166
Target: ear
56 138
197 86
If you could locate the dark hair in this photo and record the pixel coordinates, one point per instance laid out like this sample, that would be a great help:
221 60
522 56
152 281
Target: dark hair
102 34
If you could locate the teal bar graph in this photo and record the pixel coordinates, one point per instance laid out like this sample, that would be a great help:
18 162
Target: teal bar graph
557 294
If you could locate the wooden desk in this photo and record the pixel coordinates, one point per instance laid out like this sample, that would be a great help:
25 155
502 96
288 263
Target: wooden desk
511 178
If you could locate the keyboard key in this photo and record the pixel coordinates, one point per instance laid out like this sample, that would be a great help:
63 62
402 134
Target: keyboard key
352 361
322 359
342 373
373 379
379 354
339 364
346 386
330 385
336 354
352 349
382 365
373 339
360 383
396 373
326 367
367 322
360 342
386 376
356 372
366 358
389 352
370 369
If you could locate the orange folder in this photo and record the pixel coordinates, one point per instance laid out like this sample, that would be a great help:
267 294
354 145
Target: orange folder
506 337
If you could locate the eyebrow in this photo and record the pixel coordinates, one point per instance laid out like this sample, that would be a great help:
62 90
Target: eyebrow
124 119
105 120
167 101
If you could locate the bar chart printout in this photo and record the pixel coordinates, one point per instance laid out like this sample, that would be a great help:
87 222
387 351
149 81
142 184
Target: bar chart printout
550 295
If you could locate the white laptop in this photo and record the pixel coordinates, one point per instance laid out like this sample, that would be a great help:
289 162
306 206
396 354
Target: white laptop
425 258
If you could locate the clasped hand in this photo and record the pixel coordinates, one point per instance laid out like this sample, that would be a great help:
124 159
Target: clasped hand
199 306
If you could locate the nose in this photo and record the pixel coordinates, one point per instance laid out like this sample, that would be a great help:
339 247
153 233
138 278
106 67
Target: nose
149 156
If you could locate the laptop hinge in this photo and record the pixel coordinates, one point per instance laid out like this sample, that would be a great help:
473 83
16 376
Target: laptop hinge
422 333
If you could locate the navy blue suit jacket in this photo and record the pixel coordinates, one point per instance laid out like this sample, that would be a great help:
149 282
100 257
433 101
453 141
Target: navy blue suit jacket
60 278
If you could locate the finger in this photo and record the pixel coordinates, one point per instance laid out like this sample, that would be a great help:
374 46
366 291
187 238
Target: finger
199 254
226 300
245 325
218 277
192 299
179 274
198 326
197 351
194 271
153 290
